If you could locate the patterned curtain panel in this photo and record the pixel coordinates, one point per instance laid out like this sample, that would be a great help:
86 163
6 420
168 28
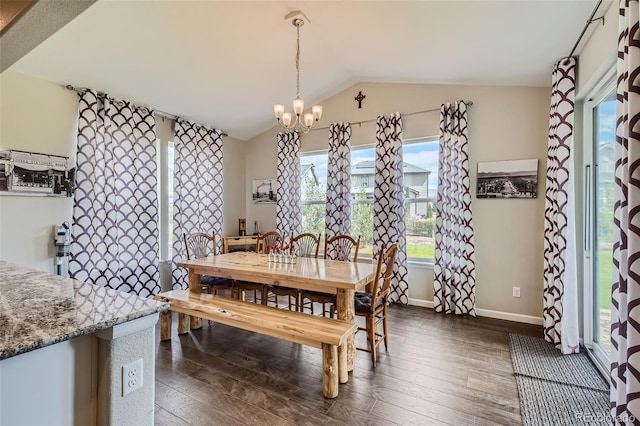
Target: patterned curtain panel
625 312
197 189
289 193
560 308
115 215
338 206
388 202
454 284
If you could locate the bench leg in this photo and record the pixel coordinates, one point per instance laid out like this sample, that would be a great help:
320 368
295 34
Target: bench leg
183 323
329 370
165 325
195 323
343 370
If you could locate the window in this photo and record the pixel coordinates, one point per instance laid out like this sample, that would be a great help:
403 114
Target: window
420 186
599 115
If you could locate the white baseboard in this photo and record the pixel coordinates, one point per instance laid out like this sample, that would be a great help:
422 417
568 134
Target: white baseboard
527 319
422 303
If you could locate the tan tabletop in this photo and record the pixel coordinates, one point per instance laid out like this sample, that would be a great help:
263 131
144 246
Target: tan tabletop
327 276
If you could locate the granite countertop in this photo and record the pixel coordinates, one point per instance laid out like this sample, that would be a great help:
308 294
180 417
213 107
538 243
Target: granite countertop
38 309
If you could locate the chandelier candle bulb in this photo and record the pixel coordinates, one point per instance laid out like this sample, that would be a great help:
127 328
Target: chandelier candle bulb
286 119
316 110
278 110
308 120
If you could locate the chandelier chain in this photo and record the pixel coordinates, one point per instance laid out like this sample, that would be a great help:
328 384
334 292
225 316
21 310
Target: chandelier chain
298 61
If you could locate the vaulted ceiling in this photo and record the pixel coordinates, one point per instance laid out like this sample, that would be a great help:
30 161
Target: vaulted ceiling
226 63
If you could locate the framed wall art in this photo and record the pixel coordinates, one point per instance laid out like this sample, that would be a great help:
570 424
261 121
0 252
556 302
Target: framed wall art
508 179
264 190
29 173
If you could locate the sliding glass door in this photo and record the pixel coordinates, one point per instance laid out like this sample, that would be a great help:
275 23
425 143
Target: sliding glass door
599 113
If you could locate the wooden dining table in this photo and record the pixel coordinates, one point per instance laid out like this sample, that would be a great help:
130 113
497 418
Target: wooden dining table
328 276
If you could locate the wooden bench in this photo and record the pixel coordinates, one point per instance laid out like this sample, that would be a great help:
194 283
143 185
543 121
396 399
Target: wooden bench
327 334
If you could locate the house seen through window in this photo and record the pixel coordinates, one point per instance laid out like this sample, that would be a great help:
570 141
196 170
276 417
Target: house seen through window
420 166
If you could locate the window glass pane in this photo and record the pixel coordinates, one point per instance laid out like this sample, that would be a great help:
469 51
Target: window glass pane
363 167
420 187
604 138
313 176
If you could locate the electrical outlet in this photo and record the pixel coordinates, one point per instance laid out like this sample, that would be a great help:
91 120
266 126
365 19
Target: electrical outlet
131 377
516 292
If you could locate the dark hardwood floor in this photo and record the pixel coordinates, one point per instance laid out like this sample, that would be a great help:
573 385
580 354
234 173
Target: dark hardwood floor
438 370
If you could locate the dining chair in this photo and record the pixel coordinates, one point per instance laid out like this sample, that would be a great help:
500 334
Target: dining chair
340 248
263 242
373 306
272 293
267 240
336 248
199 245
304 245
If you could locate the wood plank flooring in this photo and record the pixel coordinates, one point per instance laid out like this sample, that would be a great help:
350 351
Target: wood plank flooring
439 370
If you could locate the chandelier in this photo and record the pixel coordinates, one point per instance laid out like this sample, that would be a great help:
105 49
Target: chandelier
302 123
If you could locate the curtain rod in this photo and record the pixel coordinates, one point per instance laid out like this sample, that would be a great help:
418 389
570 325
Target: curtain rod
156 111
359 123
584 30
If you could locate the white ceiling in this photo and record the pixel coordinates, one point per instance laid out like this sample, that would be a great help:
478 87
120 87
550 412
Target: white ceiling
226 63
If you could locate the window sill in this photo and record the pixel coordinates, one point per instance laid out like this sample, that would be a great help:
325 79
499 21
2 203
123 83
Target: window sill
414 263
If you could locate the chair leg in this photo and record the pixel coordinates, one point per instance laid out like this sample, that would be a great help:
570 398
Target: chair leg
371 334
384 327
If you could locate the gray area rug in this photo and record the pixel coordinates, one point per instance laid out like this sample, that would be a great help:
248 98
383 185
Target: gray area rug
544 403
556 389
535 357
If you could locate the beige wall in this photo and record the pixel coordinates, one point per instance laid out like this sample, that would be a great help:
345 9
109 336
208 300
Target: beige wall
40 116
504 123
36 116
600 51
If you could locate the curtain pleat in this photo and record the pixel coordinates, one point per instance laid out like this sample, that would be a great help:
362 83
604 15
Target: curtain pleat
338 206
197 189
115 215
560 306
454 284
625 311
289 195
388 202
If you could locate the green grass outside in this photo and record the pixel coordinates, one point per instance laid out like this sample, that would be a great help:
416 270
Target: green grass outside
605 263
425 252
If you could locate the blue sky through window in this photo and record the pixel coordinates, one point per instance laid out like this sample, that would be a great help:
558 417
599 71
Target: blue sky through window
421 154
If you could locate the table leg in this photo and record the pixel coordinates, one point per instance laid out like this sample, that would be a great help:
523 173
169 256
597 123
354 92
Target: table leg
345 302
195 287
165 325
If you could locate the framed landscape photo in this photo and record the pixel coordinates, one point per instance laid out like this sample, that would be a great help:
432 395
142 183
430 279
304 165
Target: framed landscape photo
264 190
508 179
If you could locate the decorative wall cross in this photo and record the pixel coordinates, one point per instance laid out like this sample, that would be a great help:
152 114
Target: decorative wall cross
359 99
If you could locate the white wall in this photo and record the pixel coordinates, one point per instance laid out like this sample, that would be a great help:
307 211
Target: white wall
505 123
40 116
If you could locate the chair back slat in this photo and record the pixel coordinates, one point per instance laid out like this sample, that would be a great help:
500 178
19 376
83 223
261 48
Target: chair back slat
384 274
266 240
340 248
304 245
199 245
